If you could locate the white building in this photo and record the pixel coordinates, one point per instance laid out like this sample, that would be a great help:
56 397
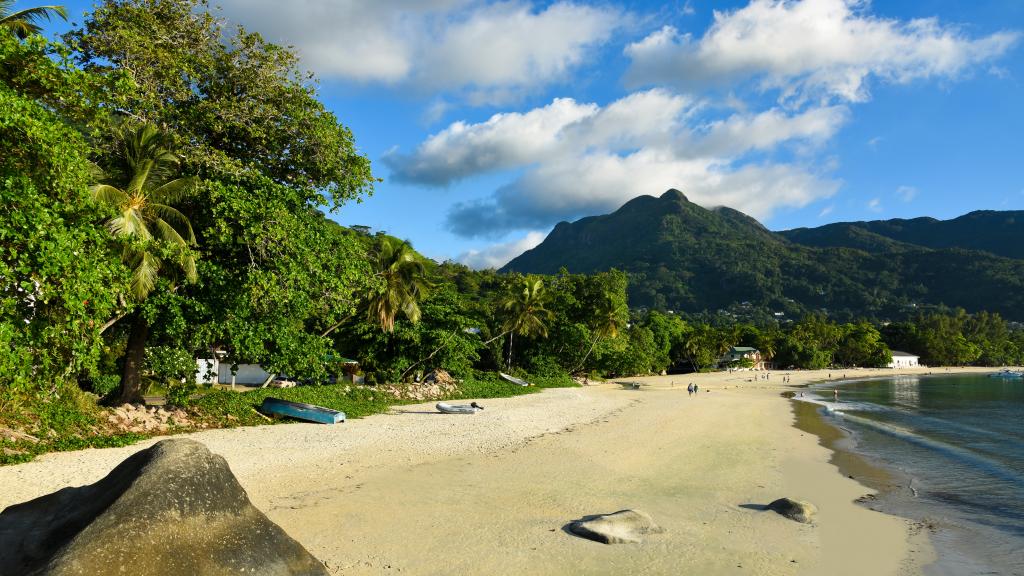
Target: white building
903 360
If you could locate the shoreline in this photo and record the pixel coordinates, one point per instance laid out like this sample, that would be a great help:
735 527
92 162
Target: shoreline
954 549
415 491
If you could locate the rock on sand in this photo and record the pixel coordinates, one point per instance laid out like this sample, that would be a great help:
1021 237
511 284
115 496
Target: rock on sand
794 509
173 508
622 527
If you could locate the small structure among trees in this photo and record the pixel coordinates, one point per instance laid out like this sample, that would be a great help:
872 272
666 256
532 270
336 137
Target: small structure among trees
904 360
744 357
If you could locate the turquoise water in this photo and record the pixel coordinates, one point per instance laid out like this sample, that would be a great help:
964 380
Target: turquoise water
957 445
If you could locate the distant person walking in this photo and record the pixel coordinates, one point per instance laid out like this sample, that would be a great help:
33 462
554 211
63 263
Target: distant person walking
696 388
689 389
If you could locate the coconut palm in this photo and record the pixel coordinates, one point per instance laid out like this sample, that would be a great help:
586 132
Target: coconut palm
152 230
24 23
404 283
526 313
610 315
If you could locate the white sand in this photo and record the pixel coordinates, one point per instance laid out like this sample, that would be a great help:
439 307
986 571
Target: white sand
417 492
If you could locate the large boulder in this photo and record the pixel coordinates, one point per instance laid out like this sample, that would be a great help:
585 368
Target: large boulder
794 509
171 509
622 527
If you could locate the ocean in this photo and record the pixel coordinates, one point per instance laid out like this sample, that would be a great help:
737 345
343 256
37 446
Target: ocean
953 446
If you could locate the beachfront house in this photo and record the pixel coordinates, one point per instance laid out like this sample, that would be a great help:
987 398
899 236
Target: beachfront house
743 357
904 360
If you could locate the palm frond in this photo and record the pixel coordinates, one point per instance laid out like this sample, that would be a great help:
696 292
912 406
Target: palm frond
130 223
174 191
110 195
169 214
167 233
145 274
24 23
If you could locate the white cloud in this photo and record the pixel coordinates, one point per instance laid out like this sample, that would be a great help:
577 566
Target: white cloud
809 49
498 255
826 210
503 141
580 159
486 52
875 205
906 193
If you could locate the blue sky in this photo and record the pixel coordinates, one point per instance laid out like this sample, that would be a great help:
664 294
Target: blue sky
492 121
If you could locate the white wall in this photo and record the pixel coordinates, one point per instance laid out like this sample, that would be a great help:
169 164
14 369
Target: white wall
206 370
904 362
247 374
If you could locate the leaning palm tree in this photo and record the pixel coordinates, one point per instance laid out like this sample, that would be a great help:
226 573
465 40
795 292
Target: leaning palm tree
154 234
610 315
404 284
24 23
526 313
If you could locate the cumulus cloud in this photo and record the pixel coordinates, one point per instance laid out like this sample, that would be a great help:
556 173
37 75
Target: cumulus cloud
875 205
809 49
488 52
497 255
580 158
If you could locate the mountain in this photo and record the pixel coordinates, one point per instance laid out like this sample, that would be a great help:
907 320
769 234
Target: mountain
996 232
682 256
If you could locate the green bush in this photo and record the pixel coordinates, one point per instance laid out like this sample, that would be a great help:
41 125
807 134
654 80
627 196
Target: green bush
104 384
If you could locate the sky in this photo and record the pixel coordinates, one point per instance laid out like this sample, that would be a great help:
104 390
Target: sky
490 122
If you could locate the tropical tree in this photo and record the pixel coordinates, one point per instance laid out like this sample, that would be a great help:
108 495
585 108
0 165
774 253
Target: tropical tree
610 316
25 23
404 284
525 312
152 232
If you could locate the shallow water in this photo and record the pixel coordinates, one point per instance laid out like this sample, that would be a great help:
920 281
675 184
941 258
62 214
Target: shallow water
958 441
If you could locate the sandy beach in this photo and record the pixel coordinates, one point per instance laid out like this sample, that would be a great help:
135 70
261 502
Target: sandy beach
416 492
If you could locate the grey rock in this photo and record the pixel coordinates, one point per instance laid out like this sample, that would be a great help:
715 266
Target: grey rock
171 509
622 527
794 509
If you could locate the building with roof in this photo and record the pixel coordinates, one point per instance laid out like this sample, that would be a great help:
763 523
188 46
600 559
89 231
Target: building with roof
744 357
904 360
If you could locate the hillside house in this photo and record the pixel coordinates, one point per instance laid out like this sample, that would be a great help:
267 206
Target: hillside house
741 356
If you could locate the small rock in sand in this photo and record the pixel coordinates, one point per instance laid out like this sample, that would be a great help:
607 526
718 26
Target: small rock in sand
622 527
794 509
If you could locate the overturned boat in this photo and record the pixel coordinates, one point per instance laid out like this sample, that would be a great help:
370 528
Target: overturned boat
471 408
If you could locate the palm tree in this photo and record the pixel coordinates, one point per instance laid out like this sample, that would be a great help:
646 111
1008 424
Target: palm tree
405 283
24 23
151 229
526 312
609 317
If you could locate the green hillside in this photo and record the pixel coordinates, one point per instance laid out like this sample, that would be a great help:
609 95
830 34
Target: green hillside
684 257
1000 233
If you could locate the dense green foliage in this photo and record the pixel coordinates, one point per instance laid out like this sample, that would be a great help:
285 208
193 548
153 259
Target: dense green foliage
683 257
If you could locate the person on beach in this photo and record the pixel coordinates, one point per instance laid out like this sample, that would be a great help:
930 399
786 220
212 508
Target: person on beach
835 394
689 389
696 388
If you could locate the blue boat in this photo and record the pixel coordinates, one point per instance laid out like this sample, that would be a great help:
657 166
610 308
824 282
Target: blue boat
308 412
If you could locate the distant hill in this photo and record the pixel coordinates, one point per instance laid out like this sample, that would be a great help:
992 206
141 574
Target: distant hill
997 232
685 257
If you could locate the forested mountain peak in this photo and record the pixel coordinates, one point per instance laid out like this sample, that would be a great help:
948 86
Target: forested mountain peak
683 256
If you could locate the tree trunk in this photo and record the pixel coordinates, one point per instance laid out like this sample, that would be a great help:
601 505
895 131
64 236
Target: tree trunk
131 377
511 335
584 361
